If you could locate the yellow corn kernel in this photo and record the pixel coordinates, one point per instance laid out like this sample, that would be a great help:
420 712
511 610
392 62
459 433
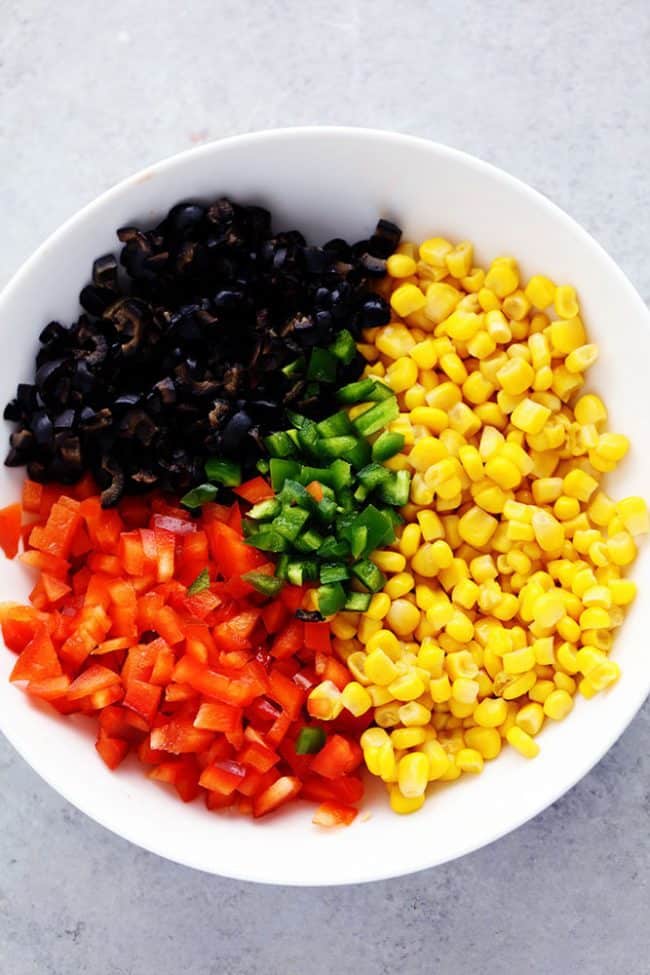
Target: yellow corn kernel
427 452
565 301
541 690
612 447
516 376
519 661
558 704
621 548
379 606
567 335
633 512
434 251
459 260
490 712
461 326
399 585
488 300
566 509
379 695
476 527
424 354
406 299
595 618
403 738
460 628
516 685
402 374
440 689
564 682
469 760
414 397
471 461
543 650
413 715
540 291
401 805
429 416
440 302
343 628
395 340
403 616
604 675
461 663
325 701
568 629
578 484
481 345
530 718
601 509
389 561
387 715
486 741
502 278
431 657
582 358
407 687
483 568
464 690
477 389
522 741
503 472
463 419
590 409
473 281
623 591
516 305
379 668
530 416
356 698
465 593
549 533
546 490
430 525
413 774
400 266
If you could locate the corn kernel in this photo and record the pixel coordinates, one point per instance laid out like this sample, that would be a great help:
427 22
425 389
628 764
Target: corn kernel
379 606
567 335
540 291
530 416
633 512
565 301
558 704
379 668
325 701
530 718
621 548
502 278
523 742
395 340
402 805
406 299
429 416
604 675
356 698
440 689
469 760
519 661
491 712
413 774
400 266
476 527
623 591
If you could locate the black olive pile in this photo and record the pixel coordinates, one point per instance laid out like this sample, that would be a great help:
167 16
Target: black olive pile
179 354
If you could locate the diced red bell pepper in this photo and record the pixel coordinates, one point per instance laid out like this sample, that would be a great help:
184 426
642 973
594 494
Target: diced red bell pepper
286 788
257 489
95 678
32 496
56 536
288 695
289 641
223 777
234 633
339 756
258 756
179 737
168 626
329 668
38 660
230 552
112 750
19 624
217 716
50 688
347 789
174 524
274 616
143 698
334 814
318 637
10 519
292 597
46 563
55 589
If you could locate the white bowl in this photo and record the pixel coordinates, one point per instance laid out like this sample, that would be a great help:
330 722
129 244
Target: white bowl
337 181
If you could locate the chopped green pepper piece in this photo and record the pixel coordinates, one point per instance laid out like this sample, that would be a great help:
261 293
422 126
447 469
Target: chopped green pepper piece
265 510
201 582
262 466
373 475
282 565
226 472
334 548
332 447
296 419
281 470
344 347
310 741
322 366
326 510
331 598
290 522
294 368
279 444
293 492
199 495
268 540
267 585
396 490
358 540
359 455
309 541
334 572
309 439
356 392
341 474
368 574
300 571
386 446
321 474
377 417
337 425
380 392
357 602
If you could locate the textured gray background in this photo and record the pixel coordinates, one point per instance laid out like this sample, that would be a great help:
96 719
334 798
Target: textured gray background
556 92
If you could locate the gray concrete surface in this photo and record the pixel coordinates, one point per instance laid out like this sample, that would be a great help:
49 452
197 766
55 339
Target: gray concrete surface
557 92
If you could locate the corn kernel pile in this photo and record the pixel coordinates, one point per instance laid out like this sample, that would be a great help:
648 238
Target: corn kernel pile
506 584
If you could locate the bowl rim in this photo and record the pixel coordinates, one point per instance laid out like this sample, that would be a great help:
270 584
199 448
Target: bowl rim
372 135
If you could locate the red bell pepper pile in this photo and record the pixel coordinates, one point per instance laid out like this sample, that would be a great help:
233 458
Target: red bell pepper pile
207 685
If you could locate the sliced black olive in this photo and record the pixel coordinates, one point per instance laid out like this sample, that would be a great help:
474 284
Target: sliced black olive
112 476
235 430
53 332
309 615
374 266
184 218
374 311
96 300
105 272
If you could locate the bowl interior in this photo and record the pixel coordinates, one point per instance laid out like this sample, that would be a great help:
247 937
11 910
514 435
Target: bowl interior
337 182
